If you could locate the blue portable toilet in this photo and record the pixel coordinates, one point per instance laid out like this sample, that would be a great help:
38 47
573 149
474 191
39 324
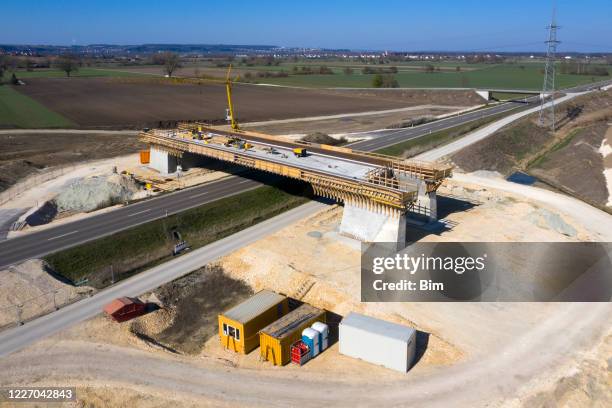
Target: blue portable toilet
311 338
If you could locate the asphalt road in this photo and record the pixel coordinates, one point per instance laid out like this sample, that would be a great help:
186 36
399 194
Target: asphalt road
53 239
385 138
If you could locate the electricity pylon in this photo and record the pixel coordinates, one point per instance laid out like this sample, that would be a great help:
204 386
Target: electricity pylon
549 75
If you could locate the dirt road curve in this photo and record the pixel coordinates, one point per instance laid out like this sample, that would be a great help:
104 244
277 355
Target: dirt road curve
474 383
591 218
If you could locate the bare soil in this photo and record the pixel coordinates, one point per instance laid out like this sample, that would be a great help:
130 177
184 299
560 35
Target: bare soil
577 166
142 102
194 302
25 154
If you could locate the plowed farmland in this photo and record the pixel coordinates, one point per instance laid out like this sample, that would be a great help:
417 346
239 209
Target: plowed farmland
140 102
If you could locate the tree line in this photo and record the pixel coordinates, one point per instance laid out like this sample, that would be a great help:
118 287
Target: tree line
582 68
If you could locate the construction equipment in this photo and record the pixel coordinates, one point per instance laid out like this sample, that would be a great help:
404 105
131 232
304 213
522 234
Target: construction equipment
231 141
299 152
230 111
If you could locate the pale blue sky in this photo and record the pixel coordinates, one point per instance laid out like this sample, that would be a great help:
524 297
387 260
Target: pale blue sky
394 25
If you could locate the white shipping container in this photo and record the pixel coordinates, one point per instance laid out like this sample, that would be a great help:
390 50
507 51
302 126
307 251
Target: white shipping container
377 341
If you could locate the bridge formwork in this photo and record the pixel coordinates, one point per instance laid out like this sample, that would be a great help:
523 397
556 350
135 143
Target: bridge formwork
377 191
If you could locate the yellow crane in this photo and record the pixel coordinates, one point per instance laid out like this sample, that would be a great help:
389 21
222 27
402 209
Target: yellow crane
228 88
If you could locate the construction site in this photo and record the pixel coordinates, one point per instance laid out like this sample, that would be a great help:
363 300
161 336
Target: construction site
221 263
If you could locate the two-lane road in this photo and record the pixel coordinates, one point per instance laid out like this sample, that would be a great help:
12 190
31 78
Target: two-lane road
390 137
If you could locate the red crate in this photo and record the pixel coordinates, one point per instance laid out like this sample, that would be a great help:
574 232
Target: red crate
300 353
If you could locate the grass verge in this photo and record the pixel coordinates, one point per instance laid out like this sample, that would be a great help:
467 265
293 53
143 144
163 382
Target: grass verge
82 72
416 146
21 111
131 251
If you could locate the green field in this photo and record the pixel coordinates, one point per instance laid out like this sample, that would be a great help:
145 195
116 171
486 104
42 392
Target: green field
17 110
499 76
56 73
144 246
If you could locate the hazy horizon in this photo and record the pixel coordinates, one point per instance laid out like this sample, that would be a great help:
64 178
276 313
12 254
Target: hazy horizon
444 26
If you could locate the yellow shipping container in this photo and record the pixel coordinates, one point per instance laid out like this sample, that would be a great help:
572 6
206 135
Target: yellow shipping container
239 326
275 340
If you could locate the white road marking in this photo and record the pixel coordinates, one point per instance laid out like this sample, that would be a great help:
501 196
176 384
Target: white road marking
139 212
63 235
198 195
243 181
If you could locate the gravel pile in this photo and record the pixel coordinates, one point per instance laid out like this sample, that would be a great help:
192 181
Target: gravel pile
89 194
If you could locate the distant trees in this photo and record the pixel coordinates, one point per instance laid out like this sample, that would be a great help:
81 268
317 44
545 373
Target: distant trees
384 81
7 63
325 70
373 70
377 81
29 64
305 70
576 67
3 66
270 74
348 71
429 68
171 62
68 63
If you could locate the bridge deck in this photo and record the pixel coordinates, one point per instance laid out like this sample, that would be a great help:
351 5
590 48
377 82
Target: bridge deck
430 172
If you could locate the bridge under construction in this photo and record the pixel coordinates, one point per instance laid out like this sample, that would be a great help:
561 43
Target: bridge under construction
378 191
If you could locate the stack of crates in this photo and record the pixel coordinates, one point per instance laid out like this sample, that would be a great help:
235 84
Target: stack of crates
300 353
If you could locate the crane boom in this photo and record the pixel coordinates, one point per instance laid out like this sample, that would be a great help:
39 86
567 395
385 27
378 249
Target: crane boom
228 88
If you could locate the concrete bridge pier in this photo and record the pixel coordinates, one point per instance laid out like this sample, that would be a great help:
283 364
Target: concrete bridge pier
426 203
162 161
371 222
167 163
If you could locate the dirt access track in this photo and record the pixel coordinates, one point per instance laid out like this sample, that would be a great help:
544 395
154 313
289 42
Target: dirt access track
142 102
